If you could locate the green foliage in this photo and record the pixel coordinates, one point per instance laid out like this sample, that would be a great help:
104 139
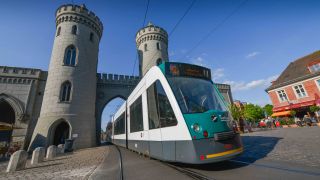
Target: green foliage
293 113
314 108
236 112
253 112
268 109
287 121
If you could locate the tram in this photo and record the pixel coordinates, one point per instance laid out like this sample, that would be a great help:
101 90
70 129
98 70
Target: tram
176 114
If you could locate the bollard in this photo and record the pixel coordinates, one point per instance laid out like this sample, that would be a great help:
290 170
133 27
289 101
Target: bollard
51 152
38 155
60 148
17 161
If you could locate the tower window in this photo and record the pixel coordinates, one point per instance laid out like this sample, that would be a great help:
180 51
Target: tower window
65 92
70 56
91 37
74 29
145 47
58 31
159 61
158 46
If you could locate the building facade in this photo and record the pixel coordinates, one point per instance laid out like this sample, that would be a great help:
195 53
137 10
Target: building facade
298 87
41 108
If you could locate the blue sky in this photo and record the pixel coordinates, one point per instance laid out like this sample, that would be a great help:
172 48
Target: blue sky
248 51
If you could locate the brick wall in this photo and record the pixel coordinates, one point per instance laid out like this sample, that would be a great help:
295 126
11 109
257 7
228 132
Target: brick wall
310 87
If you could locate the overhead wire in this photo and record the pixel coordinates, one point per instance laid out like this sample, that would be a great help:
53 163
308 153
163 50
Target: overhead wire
175 26
144 21
215 28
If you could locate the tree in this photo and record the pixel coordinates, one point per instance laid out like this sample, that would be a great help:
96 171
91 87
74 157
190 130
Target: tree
253 112
236 112
314 108
268 109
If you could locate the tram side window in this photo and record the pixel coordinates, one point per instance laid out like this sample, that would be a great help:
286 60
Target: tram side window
160 111
119 125
154 121
136 118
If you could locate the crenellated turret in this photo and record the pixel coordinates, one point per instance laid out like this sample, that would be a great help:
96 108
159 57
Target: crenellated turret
152 45
68 106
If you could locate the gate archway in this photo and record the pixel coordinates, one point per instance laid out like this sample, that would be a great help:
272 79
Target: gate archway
110 108
7 121
109 87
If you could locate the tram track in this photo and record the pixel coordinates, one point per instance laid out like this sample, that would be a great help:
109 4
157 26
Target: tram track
189 173
120 163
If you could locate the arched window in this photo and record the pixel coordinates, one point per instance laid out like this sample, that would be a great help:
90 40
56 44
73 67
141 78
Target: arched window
158 46
58 31
65 92
74 29
91 37
159 61
70 56
145 47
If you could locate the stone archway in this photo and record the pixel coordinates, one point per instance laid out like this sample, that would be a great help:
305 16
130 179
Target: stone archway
109 87
59 131
16 105
7 121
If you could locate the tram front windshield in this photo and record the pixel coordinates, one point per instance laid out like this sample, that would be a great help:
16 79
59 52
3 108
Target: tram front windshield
196 95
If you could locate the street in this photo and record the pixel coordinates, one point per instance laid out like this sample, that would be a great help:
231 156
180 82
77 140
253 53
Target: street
288 153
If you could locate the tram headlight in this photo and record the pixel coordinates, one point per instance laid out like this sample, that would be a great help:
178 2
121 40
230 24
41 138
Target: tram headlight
196 127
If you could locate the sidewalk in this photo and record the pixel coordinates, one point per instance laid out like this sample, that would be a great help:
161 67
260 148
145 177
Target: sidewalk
77 165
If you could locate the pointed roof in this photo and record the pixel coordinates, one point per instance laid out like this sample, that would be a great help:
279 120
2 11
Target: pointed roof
297 71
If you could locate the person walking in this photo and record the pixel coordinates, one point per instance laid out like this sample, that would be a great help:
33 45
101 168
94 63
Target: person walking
307 120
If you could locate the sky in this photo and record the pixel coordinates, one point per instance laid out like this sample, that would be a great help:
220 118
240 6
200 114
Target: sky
250 44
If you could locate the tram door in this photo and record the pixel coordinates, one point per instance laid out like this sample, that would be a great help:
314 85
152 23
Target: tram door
155 139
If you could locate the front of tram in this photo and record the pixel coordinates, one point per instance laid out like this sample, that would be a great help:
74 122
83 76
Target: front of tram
205 113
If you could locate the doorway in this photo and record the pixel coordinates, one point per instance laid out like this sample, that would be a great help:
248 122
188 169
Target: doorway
61 133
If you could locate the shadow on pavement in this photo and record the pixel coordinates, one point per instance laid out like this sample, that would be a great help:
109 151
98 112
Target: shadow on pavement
255 148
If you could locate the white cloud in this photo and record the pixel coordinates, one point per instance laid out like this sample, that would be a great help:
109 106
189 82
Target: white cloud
240 86
198 61
253 54
217 74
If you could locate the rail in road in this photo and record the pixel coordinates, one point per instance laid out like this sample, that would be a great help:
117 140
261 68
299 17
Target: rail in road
240 168
187 172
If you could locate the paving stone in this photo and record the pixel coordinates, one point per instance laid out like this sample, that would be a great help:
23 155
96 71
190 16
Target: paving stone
77 165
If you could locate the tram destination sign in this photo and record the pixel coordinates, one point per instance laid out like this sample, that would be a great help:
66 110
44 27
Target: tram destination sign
189 70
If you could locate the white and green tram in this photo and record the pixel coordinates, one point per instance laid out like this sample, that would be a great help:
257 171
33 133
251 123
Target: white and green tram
176 114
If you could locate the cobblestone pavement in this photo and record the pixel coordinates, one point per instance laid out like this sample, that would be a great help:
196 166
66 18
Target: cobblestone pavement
295 145
77 165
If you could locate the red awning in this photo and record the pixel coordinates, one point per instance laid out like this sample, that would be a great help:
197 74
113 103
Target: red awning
294 106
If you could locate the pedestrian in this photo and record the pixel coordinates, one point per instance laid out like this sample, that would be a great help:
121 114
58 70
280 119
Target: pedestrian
298 121
241 122
307 120
277 123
